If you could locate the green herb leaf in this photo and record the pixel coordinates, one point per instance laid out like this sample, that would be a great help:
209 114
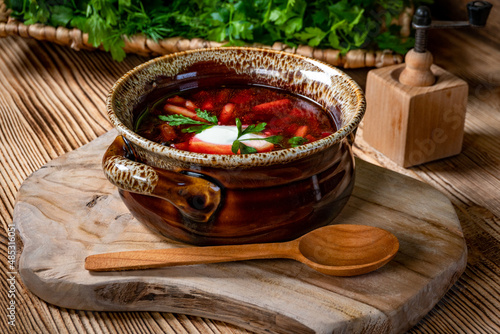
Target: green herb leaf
388 41
235 147
239 127
274 139
297 141
61 16
245 149
206 116
177 119
253 128
311 36
270 139
197 129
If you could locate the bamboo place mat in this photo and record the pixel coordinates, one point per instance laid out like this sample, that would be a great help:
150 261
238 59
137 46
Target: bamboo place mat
143 46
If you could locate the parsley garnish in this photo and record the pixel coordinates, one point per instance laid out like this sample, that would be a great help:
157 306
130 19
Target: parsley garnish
211 120
297 141
254 128
176 120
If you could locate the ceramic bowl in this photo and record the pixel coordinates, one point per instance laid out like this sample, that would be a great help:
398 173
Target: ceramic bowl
209 199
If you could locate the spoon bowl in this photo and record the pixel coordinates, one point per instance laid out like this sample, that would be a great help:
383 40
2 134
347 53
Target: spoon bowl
337 250
347 250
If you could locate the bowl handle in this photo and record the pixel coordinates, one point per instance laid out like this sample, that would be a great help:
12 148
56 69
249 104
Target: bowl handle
194 196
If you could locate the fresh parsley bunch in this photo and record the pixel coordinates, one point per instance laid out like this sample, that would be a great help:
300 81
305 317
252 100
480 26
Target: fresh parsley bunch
337 24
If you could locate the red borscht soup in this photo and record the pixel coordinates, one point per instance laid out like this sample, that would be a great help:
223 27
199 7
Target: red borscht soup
234 120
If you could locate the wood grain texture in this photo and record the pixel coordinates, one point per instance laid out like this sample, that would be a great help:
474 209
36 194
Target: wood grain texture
30 137
277 296
414 125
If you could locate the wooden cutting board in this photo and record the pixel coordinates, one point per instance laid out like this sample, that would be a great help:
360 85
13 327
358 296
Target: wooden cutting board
67 210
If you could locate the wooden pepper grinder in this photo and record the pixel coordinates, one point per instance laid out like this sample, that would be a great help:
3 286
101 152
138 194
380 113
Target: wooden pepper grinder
416 111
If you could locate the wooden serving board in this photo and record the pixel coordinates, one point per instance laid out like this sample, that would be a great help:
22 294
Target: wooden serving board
67 210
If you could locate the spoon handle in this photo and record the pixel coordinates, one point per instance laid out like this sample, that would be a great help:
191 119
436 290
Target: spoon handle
156 258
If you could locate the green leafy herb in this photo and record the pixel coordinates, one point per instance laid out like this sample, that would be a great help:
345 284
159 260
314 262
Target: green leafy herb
338 24
177 119
238 145
206 116
254 128
297 141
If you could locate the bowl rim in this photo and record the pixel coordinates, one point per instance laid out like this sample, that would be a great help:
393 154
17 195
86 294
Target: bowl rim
237 160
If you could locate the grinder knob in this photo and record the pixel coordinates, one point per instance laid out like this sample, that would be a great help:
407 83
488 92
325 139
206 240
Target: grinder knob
422 17
478 13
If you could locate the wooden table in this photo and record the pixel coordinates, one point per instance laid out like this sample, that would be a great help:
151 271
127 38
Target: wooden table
52 102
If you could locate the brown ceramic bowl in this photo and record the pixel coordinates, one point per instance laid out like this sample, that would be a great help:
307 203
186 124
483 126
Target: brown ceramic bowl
208 199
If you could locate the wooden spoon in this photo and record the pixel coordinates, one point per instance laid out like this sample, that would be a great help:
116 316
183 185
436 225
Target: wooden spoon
339 250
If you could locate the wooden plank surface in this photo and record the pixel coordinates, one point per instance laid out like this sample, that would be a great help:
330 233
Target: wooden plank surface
67 210
52 102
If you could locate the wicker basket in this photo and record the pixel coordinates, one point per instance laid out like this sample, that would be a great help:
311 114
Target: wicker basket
139 44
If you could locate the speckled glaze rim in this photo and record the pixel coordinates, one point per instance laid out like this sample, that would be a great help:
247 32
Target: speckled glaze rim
240 160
